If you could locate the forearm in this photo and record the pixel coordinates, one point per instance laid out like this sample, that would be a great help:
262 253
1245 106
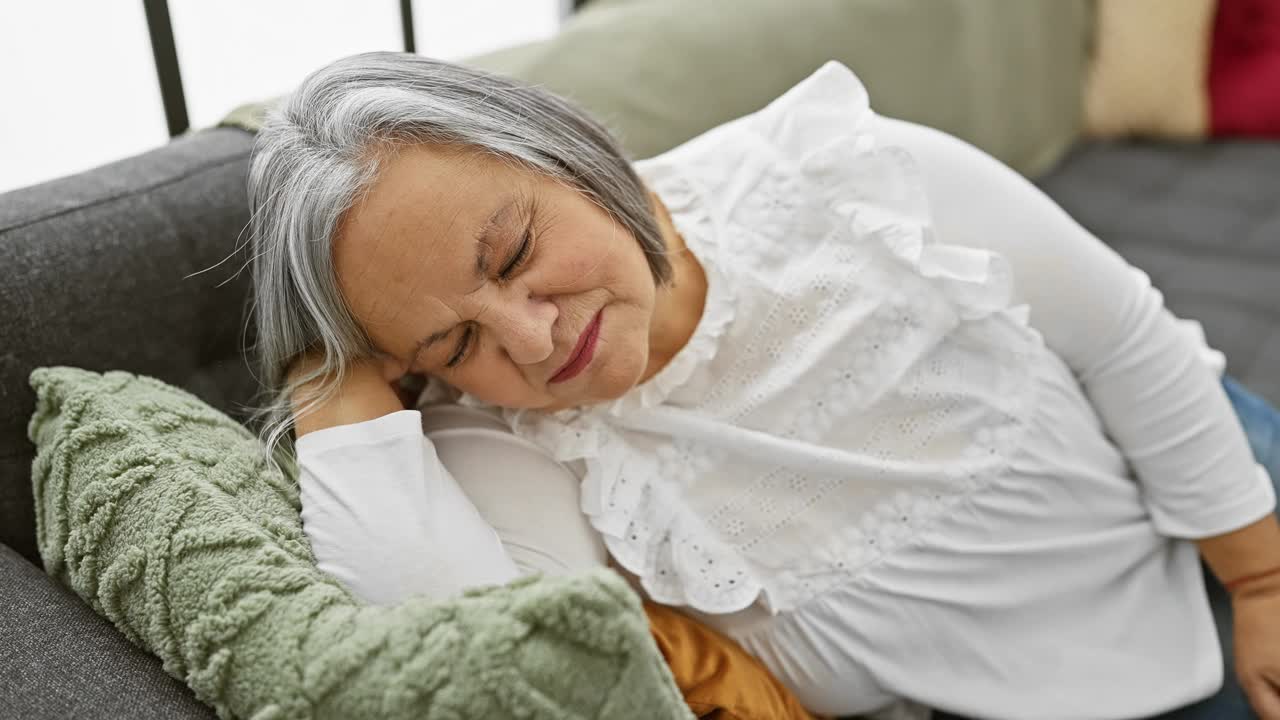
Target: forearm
387 519
1253 549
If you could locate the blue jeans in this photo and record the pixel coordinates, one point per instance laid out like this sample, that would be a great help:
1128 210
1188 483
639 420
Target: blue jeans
1262 426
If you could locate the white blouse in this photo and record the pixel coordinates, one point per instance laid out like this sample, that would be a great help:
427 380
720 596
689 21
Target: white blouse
897 458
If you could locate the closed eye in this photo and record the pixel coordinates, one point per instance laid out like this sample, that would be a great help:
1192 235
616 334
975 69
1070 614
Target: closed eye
522 253
464 344
526 243
508 270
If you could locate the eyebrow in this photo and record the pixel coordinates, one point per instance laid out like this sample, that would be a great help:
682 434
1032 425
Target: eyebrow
481 238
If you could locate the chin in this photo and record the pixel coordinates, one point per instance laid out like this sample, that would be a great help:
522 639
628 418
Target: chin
617 376
606 382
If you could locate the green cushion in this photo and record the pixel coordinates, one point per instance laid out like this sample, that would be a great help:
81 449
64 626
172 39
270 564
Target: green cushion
161 513
1006 76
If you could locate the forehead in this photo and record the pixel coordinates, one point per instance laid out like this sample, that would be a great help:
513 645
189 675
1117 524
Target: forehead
423 191
412 232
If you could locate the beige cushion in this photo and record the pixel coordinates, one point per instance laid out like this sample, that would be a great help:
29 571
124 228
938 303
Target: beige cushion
1149 73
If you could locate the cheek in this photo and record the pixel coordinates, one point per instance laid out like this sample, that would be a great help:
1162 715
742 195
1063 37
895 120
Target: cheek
495 380
587 266
599 255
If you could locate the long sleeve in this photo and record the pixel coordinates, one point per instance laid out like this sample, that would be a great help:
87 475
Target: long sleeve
391 511
387 519
1149 376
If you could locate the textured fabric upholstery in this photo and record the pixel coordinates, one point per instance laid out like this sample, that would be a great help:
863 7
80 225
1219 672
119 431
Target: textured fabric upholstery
1203 221
163 515
96 268
59 659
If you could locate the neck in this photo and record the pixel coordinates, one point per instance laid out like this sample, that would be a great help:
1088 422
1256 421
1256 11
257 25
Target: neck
678 305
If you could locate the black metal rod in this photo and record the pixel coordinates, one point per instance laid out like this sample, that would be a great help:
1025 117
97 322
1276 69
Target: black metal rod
406 25
166 55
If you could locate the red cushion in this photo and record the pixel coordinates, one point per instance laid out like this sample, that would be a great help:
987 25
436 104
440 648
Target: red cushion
1244 68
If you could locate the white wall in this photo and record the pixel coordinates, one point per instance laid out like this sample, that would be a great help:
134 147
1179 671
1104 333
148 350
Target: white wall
78 82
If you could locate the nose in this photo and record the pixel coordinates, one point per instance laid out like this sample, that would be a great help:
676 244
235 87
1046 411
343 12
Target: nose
523 326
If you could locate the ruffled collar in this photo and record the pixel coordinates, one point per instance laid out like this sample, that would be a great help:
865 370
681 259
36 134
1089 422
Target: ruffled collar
690 214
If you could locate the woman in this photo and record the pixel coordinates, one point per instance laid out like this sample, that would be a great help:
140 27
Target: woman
790 363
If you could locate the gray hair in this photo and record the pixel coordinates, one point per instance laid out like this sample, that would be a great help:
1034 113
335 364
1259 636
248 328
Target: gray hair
322 147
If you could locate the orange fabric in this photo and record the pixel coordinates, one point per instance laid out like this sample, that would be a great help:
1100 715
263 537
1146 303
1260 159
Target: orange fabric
718 678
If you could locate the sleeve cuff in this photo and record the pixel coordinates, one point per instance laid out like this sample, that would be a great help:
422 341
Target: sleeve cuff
369 432
1212 358
1248 507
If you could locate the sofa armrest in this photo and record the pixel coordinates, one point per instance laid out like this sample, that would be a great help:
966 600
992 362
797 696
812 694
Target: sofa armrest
59 659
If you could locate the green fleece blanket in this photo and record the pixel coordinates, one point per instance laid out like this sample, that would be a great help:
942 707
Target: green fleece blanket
159 512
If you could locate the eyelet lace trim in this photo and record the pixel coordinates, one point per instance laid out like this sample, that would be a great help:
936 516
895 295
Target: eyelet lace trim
632 490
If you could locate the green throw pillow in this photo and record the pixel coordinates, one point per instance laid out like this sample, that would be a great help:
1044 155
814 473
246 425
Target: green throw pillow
1005 76
160 512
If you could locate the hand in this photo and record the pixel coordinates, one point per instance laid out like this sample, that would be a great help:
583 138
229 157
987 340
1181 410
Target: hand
1257 647
370 390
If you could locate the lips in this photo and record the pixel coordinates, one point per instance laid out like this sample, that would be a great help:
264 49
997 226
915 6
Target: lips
582 353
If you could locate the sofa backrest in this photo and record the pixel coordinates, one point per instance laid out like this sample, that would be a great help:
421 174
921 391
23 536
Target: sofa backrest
98 273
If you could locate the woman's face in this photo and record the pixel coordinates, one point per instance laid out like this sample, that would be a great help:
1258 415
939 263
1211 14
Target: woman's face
506 284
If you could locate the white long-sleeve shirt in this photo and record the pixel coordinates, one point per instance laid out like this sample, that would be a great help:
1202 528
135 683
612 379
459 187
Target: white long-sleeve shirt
390 505
1052 584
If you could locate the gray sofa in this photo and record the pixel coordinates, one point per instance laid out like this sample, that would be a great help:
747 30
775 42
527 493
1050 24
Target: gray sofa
101 272
97 268
1203 220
